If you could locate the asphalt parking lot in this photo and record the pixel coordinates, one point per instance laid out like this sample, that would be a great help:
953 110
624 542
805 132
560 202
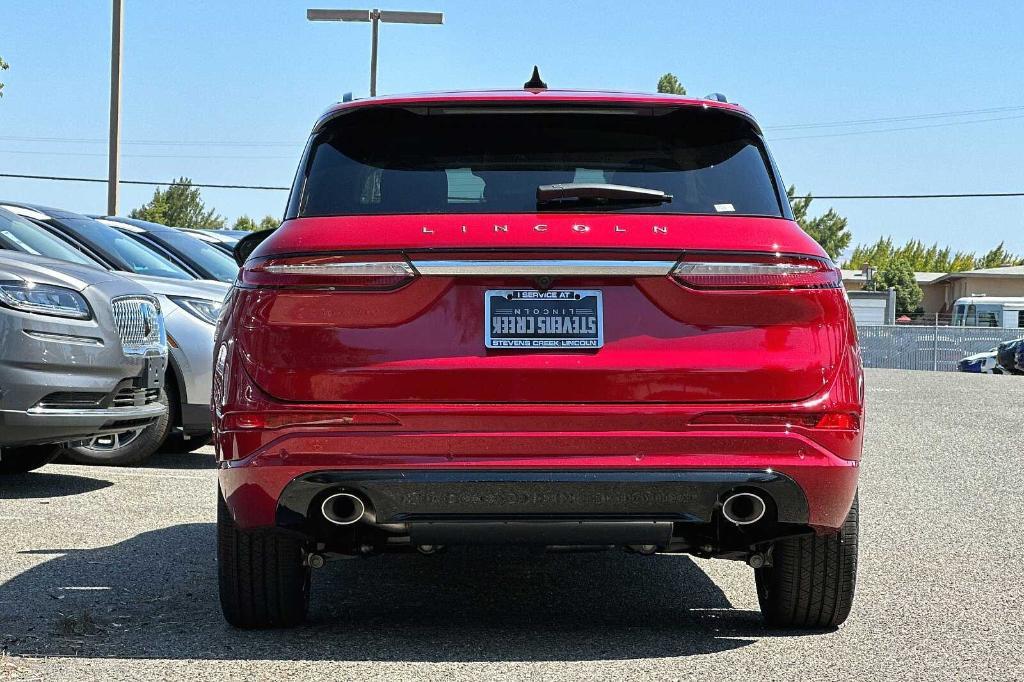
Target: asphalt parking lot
110 573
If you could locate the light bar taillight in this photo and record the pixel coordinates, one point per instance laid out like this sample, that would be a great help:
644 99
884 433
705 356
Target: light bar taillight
756 271
381 273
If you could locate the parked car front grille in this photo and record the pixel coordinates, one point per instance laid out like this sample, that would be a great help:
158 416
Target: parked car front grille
71 400
139 323
129 396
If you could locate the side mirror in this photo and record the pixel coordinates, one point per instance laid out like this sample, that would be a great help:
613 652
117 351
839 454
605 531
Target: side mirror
247 244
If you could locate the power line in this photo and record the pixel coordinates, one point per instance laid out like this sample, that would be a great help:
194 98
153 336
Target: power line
33 152
959 195
894 119
173 143
892 130
139 182
785 127
963 195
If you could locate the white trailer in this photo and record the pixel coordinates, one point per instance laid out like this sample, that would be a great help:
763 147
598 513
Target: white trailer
989 311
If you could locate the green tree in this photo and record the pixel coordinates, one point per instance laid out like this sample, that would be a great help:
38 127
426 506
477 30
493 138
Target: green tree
899 275
3 67
180 205
923 258
828 229
878 254
999 257
246 223
962 261
670 84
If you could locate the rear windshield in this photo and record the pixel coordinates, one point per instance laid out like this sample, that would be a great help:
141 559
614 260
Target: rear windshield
388 161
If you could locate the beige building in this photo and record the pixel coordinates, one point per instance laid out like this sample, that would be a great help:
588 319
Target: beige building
1005 281
941 290
934 293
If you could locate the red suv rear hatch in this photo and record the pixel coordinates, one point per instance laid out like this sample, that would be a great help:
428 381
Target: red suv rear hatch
658 263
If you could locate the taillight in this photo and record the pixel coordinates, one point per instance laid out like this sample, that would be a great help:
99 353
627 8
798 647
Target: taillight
756 271
377 273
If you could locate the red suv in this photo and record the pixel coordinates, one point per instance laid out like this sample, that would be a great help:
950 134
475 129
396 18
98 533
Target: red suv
554 318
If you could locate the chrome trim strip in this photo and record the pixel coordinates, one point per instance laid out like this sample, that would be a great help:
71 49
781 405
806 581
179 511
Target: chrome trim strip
64 338
606 268
143 411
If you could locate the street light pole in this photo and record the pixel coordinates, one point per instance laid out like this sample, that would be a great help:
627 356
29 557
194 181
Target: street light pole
374 32
374 16
114 152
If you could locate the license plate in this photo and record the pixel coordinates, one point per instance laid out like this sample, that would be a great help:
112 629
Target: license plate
526 318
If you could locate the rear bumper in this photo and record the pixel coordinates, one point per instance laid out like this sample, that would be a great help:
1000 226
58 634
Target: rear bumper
595 463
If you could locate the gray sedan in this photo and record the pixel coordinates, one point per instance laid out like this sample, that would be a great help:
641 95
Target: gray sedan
82 352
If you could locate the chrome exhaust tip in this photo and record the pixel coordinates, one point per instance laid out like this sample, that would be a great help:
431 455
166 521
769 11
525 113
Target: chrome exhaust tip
343 509
743 509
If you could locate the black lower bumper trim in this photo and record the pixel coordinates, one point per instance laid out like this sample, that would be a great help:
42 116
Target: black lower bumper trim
541 532
690 495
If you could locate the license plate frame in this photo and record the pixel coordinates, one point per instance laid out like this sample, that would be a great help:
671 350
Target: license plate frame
528 332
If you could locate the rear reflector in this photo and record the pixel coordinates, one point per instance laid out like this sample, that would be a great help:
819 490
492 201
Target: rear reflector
334 272
842 421
299 418
756 271
839 420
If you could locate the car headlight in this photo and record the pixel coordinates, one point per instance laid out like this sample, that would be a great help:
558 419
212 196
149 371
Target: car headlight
44 299
203 308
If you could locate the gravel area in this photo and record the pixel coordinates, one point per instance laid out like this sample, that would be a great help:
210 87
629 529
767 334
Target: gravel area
110 573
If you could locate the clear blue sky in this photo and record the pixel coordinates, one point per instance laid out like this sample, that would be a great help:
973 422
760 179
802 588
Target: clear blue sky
257 73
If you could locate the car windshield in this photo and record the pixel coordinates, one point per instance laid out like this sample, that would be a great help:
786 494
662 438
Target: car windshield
206 256
469 161
20 234
127 253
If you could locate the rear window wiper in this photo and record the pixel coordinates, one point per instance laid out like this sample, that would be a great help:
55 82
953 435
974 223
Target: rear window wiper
599 193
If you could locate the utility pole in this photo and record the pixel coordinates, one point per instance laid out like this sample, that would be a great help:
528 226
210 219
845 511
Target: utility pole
374 32
114 153
374 16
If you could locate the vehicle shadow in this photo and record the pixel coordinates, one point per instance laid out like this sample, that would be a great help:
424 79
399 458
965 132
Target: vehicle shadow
163 460
46 483
154 596
181 461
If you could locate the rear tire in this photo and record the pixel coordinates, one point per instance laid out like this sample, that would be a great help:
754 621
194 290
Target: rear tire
811 581
263 582
27 458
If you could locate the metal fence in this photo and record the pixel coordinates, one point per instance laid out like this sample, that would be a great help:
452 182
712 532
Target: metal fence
932 348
